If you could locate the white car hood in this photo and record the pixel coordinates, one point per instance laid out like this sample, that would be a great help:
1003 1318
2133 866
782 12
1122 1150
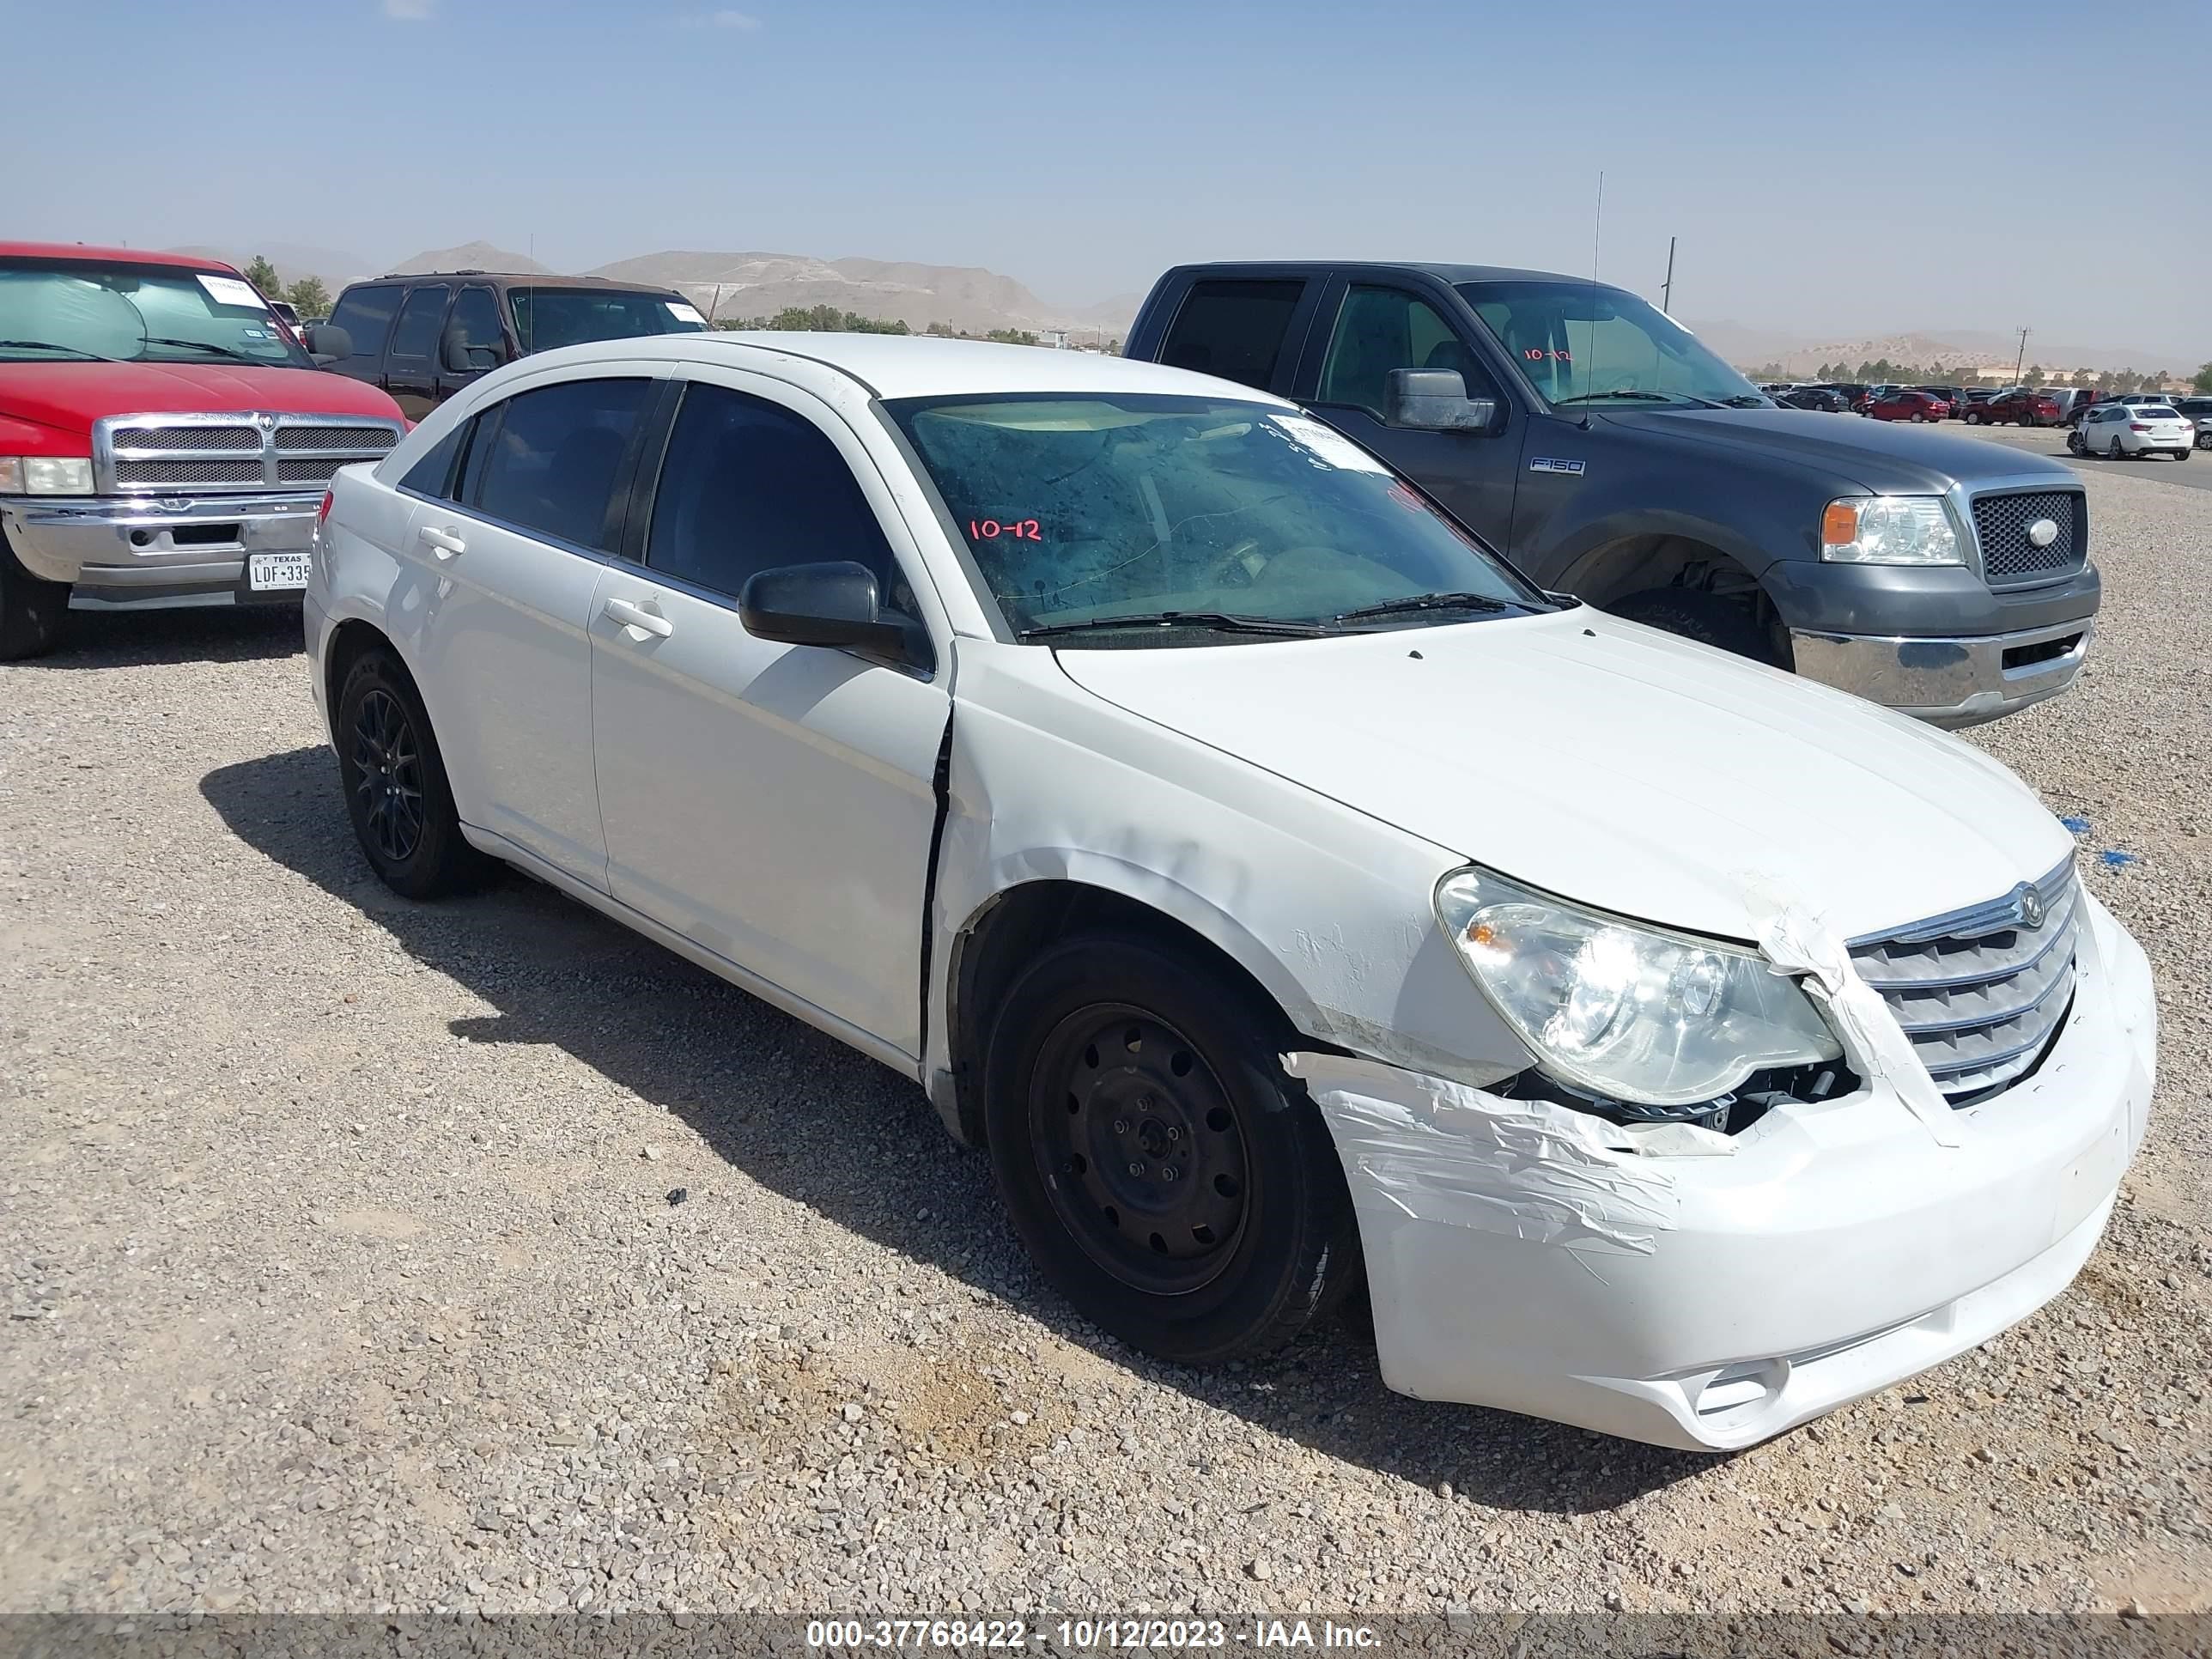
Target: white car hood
1611 763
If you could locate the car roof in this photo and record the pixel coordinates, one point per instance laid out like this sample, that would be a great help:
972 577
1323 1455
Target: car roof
915 365
111 256
1445 271
524 278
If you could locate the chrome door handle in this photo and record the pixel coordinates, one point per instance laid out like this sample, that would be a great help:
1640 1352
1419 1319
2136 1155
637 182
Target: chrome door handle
443 542
637 616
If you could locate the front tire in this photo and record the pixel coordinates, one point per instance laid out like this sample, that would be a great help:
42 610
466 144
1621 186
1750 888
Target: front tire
1974 418
2074 442
1725 625
1163 1174
2114 453
395 784
32 611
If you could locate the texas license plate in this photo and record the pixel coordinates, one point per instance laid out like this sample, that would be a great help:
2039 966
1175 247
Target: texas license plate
266 572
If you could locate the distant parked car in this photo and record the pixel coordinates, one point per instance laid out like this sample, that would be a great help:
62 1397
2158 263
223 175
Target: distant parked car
1972 397
422 338
1950 395
2197 411
2028 408
1905 404
2084 401
1814 397
2120 431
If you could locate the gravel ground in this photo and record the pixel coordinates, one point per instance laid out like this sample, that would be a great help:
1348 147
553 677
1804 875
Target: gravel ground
364 1254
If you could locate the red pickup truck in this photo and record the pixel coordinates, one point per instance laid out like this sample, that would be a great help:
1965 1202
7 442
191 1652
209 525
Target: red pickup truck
164 440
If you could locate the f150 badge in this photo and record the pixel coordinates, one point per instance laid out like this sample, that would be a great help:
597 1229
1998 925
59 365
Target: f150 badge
1550 464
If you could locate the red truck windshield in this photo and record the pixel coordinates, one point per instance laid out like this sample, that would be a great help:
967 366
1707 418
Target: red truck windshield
61 310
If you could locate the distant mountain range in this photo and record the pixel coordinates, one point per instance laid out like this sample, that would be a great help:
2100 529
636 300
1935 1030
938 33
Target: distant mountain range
1749 348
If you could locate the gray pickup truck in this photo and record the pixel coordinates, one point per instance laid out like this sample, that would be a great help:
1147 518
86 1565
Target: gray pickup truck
1610 455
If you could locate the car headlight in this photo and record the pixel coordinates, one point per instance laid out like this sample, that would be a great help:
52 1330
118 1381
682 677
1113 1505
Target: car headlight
1623 1010
45 475
1890 529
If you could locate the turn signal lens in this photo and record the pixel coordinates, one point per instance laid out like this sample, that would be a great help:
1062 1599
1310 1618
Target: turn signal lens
1839 525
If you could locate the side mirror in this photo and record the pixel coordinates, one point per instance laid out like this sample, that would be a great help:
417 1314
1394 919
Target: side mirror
460 358
326 344
1433 400
832 603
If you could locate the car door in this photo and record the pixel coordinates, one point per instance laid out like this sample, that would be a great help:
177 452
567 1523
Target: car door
773 804
474 328
365 313
1374 327
410 363
513 554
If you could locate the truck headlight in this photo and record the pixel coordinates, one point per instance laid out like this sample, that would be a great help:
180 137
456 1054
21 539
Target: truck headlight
45 475
1625 1010
1890 529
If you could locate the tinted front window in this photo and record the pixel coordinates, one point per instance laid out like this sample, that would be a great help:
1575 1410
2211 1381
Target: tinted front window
60 310
1380 329
366 314
546 317
475 320
420 319
554 459
1580 343
746 486
1235 329
1080 507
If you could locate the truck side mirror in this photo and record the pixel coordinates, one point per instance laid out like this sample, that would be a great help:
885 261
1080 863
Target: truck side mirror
461 358
326 343
1433 400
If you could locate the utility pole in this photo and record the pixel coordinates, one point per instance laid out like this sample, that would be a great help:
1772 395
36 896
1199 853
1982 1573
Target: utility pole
2022 358
1666 288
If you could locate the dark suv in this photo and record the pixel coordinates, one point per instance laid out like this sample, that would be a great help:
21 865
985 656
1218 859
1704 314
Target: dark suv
423 337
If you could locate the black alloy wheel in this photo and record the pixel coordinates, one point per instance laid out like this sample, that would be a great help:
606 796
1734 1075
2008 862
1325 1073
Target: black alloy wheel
387 766
1143 1147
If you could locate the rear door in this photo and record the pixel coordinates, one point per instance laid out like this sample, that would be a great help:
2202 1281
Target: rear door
1245 329
1369 326
513 555
410 363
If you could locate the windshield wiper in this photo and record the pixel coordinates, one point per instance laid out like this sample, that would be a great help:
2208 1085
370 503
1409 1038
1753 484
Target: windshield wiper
210 345
1641 396
1746 400
1413 602
1220 622
48 345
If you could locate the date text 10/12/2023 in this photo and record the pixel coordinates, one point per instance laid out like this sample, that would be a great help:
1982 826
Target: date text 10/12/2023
1013 1635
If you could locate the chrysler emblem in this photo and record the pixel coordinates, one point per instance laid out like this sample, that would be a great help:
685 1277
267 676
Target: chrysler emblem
2031 907
2043 532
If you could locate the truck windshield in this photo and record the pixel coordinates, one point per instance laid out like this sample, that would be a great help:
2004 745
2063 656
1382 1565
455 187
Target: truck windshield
62 311
1580 343
548 317
1085 509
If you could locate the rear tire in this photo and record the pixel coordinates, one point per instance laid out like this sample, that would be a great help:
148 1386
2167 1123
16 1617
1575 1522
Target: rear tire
1973 417
1165 1175
1725 625
394 778
2114 453
32 611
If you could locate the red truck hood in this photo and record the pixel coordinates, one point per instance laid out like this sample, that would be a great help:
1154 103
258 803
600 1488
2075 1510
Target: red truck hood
72 395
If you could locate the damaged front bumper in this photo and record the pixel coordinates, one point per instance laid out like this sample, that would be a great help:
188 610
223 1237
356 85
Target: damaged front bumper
1707 1291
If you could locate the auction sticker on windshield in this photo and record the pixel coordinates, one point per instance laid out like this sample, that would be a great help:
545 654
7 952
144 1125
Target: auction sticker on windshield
1332 447
231 291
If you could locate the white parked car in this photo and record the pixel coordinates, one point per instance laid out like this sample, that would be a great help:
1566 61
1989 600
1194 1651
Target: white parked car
2118 430
1281 888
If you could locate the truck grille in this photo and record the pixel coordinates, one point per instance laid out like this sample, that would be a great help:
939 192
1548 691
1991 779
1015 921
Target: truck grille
2009 558
1980 992
231 452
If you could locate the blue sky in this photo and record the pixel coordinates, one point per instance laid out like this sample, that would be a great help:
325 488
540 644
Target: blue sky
1833 168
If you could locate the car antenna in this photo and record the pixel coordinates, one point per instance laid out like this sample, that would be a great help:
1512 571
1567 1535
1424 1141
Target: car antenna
1597 230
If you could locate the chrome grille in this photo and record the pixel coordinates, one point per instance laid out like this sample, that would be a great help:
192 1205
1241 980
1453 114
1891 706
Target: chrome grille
2009 557
228 454
1980 992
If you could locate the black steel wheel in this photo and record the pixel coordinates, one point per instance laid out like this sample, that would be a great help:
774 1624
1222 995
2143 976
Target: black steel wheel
1164 1173
395 785
32 611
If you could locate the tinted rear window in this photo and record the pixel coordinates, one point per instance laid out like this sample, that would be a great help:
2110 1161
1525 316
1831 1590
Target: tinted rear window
552 462
420 319
366 314
1232 329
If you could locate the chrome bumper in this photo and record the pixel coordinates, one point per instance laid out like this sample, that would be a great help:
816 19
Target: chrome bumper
1949 682
134 553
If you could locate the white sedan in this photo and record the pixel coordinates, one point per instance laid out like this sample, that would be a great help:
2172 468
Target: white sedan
1281 887
2118 431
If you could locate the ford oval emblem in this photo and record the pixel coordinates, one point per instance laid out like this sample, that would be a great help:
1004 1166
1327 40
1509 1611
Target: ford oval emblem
2043 531
2031 901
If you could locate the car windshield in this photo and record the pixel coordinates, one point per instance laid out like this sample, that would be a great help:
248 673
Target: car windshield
67 310
546 318
1083 508
1582 343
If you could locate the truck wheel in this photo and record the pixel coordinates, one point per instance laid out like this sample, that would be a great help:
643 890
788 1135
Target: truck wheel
1165 1175
32 611
1973 417
395 784
1726 624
